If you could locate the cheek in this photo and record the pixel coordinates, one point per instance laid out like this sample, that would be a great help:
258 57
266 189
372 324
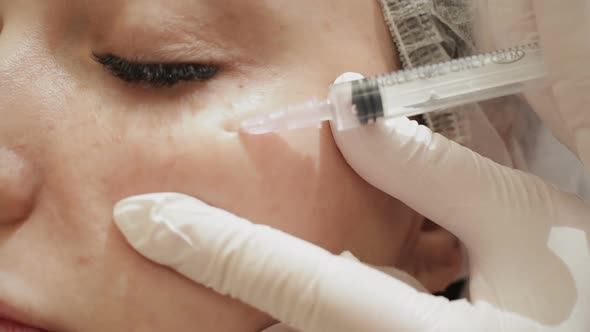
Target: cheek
297 182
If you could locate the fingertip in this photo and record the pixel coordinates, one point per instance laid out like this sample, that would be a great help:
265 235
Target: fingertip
131 213
134 215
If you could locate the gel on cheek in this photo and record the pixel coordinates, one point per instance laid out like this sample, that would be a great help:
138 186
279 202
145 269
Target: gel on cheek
240 110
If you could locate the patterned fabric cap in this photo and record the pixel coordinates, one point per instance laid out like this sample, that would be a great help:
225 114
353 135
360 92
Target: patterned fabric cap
433 31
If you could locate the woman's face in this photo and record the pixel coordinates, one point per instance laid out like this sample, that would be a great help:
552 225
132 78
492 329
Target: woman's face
75 139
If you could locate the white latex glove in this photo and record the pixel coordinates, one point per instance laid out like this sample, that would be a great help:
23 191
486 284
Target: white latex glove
563 28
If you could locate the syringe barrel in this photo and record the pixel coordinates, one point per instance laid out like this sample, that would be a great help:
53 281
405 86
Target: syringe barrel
438 86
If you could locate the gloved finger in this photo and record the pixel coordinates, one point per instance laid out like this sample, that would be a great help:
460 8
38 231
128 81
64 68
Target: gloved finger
297 283
565 35
511 23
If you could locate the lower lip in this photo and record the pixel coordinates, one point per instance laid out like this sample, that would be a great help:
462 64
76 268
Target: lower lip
9 326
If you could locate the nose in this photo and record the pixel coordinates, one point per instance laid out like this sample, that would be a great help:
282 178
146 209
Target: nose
17 187
18 178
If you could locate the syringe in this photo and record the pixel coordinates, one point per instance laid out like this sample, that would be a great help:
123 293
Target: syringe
412 92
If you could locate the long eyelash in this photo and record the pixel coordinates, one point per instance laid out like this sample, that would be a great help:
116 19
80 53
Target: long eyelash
155 74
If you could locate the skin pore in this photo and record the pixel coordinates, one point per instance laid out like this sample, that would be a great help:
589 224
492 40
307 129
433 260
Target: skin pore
75 139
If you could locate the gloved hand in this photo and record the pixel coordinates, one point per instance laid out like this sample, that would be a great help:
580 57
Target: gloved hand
564 31
528 242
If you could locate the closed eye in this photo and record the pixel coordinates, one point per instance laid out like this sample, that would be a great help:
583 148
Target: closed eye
156 74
